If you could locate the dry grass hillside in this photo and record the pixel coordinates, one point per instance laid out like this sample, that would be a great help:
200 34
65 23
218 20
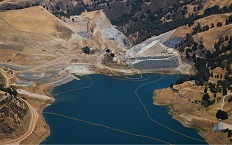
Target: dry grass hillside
14 1
31 36
212 35
205 4
36 20
211 3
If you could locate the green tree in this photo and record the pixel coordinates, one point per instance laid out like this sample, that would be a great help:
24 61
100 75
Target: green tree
201 45
205 97
224 90
212 25
221 115
215 95
205 90
86 50
219 24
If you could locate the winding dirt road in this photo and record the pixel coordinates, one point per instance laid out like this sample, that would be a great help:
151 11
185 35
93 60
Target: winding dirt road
223 101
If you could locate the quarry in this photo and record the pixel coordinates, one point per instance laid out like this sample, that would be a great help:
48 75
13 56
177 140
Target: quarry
46 44
57 49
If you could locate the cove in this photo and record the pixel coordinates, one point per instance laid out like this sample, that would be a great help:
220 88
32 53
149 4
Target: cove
113 102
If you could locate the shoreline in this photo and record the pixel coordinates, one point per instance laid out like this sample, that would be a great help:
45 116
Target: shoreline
41 120
178 119
193 115
48 92
185 124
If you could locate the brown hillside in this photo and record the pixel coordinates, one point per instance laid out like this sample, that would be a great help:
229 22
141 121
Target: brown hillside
30 34
211 3
210 36
34 19
206 4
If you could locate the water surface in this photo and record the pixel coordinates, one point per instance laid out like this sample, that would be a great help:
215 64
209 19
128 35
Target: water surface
113 103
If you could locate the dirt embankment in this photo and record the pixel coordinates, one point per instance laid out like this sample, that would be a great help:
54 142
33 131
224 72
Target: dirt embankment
185 101
42 130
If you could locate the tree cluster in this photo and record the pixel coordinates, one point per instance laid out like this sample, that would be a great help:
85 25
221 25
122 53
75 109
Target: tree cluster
11 90
150 27
229 20
205 61
221 115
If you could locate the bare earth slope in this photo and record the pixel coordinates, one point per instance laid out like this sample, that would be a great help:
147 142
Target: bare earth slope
32 19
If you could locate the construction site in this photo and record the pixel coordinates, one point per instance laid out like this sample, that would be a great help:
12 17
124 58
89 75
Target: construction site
53 53
47 43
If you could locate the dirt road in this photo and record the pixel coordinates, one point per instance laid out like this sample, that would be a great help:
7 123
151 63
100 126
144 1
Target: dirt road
223 101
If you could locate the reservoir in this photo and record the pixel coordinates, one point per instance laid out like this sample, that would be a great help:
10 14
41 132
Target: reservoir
99 109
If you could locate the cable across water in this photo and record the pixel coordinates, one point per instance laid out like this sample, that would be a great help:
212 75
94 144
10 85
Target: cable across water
108 127
148 115
152 119
144 106
91 83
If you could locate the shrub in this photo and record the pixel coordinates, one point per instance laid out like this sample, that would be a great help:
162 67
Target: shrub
86 50
221 115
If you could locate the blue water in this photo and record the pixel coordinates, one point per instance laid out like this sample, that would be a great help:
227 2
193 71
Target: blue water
113 103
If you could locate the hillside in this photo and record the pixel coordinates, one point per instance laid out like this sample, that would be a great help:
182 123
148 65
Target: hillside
34 20
25 32
207 45
15 117
210 36
210 3
46 43
194 114
34 40
134 18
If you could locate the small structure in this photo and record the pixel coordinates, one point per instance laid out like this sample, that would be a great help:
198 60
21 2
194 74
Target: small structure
222 126
170 50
